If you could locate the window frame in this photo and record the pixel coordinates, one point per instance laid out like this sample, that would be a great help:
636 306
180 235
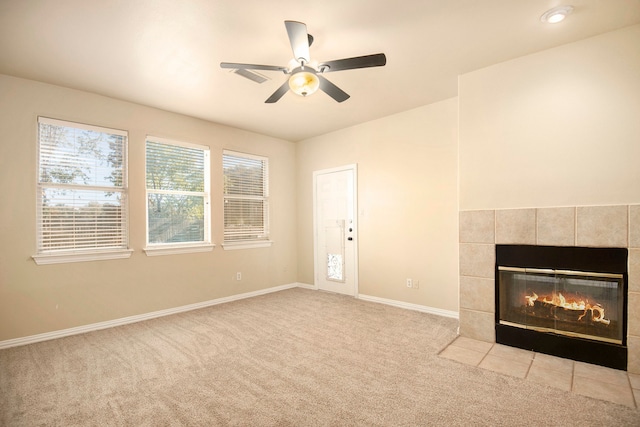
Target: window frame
206 245
45 256
248 243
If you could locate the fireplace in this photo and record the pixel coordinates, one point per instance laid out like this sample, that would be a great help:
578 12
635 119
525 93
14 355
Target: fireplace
565 301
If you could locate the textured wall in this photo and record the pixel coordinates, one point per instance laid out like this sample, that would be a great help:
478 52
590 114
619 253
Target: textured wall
37 299
556 128
407 202
549 145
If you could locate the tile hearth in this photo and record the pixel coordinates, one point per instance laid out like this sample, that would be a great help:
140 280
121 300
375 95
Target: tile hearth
576 377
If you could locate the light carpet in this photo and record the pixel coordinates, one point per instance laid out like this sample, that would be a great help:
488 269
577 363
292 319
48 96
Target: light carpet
292 358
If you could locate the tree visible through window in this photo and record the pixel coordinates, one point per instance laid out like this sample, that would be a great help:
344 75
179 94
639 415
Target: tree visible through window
246 197
82 193
177 176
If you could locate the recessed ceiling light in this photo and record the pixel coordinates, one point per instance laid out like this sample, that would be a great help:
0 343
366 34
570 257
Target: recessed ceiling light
557 14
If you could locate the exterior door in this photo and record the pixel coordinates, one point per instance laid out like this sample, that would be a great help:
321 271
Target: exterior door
335 224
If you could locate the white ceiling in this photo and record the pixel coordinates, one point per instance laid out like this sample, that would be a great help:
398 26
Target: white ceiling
166 53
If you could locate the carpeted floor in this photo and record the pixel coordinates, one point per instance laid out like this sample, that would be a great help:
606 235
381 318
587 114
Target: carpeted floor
292 358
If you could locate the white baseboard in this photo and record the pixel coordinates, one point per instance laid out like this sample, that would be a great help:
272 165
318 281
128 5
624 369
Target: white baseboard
147 316
410 306
140 317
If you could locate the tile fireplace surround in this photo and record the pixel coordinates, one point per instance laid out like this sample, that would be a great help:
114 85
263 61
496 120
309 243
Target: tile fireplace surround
592 226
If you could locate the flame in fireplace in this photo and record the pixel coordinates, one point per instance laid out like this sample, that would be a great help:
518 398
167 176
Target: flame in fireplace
558 300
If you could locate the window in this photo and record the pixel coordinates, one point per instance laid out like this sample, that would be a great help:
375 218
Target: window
82 193
177 177
246 200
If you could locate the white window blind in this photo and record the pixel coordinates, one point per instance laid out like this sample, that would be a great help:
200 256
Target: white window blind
246 197
82 191
177 176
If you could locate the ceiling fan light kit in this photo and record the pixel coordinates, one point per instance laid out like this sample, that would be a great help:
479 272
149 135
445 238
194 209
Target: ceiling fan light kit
305 80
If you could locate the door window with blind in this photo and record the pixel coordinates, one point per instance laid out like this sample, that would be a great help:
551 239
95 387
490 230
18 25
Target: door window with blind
178 205
82 192
246 200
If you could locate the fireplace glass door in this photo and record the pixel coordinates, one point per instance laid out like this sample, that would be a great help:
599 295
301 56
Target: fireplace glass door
570 303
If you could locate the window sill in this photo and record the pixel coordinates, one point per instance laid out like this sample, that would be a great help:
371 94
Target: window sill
178 249
65 257
229 246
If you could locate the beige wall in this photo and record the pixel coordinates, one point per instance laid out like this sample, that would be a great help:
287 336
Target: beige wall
407 199
556 134
38 299
557 128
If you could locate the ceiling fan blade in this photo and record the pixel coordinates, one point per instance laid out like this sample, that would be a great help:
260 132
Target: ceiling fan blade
375 60
299 40
278 93
332 90
251 75
237 66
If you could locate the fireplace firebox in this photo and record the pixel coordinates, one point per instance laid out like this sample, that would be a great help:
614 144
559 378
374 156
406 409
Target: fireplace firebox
565 301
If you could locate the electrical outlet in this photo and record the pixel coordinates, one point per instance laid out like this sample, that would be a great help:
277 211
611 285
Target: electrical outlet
409 283
238 276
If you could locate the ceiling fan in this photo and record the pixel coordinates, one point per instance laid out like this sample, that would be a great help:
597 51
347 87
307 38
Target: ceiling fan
304 79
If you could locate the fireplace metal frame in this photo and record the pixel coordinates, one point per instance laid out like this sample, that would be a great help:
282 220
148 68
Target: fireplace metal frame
597 260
